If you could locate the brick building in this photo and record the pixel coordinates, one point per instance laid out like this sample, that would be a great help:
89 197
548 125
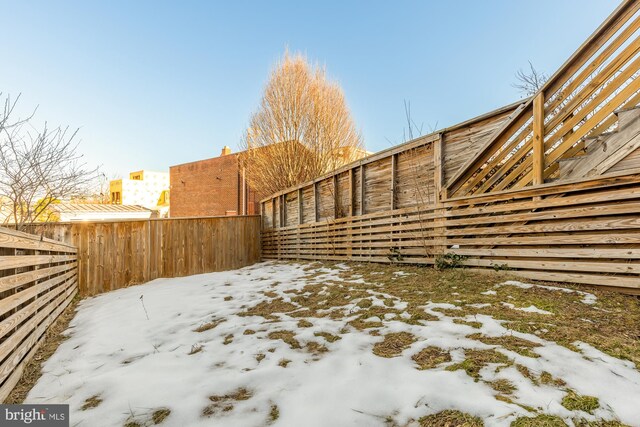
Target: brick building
211 187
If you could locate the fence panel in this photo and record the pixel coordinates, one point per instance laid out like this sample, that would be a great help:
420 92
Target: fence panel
38 280
115 254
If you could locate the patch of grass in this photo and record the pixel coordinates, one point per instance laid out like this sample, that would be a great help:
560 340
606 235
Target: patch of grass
451 418
547 378
159 415
228 298
539 421
286 336
393 344
208 325
228 339
284 362
606 325
576 402
503 386
248 332
476 325
525 372
598 423
225 403
361 325
316 348
475 360
430 357
132 424
327 336
196 348
302 323
270 294
91 402
274 413
509 342
417 316
267 309
507 399
364 303
260 357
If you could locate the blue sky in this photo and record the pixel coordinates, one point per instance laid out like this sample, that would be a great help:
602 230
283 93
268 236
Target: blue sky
156 83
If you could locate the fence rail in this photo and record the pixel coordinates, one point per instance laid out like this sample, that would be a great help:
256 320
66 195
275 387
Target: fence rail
38 280
115 254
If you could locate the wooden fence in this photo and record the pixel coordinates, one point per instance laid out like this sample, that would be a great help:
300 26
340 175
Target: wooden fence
38 280
115 254
547 187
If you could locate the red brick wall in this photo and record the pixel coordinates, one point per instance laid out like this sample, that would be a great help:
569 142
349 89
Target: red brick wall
205 188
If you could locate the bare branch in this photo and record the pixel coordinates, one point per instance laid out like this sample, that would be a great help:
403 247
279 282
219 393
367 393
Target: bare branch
38 168
302 128
529 82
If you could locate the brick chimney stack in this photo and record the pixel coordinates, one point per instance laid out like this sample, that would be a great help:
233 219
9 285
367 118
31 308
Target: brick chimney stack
225 151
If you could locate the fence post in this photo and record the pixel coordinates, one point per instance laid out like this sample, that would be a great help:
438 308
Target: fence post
439 228
538 139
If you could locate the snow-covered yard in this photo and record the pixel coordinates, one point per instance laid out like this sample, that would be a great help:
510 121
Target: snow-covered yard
347 345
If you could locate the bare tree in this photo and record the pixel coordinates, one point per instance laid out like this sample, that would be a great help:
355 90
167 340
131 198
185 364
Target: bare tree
37 168
302 128
98 191
529 82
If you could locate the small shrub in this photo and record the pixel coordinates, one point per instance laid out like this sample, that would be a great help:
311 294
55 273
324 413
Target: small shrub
449 261
501 267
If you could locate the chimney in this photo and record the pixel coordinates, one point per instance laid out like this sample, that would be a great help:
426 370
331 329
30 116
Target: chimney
225 150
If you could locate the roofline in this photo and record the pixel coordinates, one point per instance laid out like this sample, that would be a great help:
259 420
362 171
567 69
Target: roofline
208 158
417 142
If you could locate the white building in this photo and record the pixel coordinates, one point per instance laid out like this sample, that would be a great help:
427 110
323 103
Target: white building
143 188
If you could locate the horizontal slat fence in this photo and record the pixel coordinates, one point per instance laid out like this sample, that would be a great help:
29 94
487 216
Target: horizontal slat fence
38 280
586 232
115 254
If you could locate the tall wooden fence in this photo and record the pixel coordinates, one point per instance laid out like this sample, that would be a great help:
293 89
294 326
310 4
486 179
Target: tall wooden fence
548 187
38 280
115 254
